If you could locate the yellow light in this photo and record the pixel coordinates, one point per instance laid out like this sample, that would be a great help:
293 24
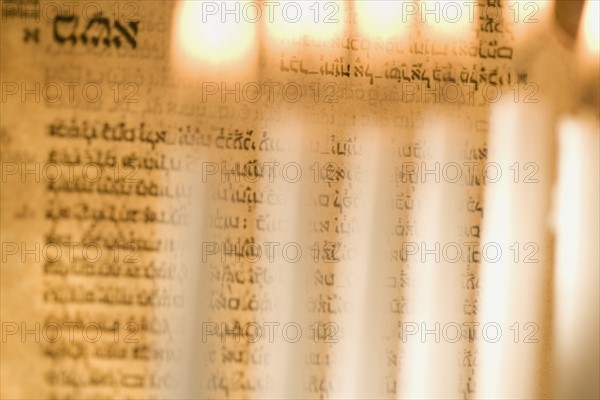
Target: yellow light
294 19
447 18
207 32
383 18
591 28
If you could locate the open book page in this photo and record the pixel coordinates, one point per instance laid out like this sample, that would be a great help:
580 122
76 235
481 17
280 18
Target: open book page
337 199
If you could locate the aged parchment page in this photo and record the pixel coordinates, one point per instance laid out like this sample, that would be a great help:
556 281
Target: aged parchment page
336 199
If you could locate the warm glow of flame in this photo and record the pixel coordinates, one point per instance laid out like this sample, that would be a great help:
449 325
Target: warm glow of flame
590 29
447 18
294 19
382 18
215 32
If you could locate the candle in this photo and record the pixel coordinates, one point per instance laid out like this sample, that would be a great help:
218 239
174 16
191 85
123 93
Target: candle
577 262
214 51
515 289
577 277
431 333
515 265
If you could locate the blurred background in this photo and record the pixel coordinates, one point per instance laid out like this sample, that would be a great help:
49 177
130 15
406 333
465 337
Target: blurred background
300 199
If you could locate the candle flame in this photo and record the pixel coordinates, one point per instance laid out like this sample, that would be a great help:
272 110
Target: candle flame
383 18
591 29
294 19
447 19
208 34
